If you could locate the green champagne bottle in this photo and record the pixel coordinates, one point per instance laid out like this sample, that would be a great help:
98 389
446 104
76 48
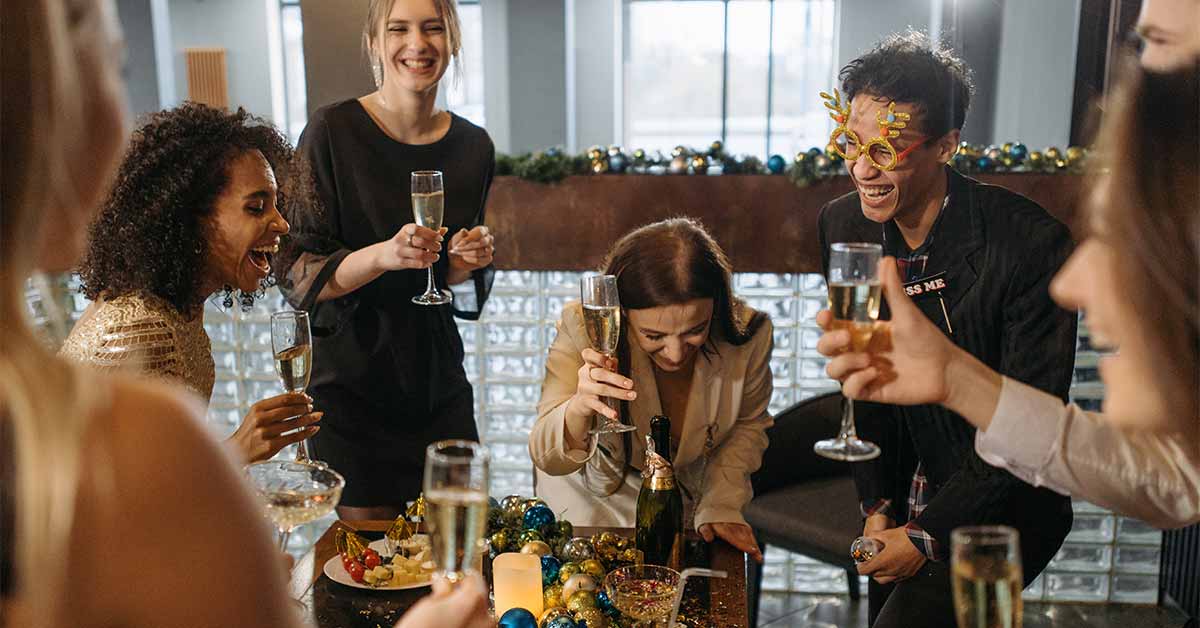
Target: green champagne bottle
660 504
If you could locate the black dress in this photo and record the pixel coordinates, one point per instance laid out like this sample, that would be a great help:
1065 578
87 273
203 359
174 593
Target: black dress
387 373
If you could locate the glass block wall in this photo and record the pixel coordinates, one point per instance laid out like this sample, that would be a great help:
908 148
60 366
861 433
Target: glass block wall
1106 557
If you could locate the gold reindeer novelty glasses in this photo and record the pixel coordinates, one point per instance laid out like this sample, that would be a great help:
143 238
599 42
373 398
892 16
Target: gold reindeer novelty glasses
879 151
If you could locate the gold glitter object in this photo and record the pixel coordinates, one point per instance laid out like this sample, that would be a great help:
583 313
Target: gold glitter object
349 543
890 123
145 334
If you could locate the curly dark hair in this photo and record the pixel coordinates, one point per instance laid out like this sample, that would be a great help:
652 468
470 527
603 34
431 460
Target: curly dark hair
150 234
909 67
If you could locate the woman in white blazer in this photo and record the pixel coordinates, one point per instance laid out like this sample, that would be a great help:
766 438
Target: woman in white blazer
689 350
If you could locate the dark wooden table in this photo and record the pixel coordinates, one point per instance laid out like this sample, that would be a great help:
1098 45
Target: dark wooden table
332 605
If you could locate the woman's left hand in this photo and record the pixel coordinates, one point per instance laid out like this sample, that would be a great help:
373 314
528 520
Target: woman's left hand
738 535
471 250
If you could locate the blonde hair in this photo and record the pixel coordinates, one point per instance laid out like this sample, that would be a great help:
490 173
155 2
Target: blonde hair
43 400
378 11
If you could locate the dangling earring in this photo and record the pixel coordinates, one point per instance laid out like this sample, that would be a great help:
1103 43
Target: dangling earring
377 74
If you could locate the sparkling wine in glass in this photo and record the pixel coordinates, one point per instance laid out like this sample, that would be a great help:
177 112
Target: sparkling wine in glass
602 321
295 493
854 298
645 593
291 342
456 504
985 577
428 205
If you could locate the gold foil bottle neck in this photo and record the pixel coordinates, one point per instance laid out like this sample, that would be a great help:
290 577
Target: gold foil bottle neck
657 470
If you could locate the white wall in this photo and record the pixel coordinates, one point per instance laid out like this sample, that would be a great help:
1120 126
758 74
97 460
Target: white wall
141 68
1033 92
239 26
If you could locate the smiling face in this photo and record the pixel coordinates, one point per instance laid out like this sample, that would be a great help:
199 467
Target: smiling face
245 226
1091 281
412 46
672 334
906 189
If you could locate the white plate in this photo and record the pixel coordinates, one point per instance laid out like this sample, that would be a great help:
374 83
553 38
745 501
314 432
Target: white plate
336 572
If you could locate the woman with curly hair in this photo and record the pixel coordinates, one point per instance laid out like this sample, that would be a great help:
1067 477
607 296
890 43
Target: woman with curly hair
390 374
193 211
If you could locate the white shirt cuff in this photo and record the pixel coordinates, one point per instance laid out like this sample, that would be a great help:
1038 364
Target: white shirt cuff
1024 433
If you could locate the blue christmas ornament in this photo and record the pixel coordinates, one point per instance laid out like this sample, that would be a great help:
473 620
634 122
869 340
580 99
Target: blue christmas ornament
492 503
984 164
776 164
553 151
538 517
517 618
617 163
1018 152
814 151
604 603
550 569
562 621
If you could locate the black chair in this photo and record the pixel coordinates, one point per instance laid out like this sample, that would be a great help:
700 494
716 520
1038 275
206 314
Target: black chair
804 503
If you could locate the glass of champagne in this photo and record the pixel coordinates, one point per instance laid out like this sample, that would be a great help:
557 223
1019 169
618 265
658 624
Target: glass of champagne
295 492
456 504
986 578
291 342
602 320
854 297
428 204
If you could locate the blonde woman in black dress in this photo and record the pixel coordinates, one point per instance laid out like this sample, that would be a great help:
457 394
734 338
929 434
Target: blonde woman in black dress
389 373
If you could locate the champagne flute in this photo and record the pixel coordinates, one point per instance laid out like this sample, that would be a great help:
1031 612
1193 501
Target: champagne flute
602 320
291 342
428 204
456 505
986 578
854 297
295 493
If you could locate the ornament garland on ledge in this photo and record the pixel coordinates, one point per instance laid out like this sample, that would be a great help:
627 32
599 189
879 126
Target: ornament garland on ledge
807 167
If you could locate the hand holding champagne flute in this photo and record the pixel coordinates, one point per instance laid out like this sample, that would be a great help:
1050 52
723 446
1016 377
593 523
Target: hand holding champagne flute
428 205
854 298
456 504
602 321
291 343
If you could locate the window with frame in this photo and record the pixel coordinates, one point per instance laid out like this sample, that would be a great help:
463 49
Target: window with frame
746 72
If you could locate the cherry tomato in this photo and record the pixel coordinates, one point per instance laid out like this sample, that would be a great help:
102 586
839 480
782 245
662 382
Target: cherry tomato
356 571
371 559
346 560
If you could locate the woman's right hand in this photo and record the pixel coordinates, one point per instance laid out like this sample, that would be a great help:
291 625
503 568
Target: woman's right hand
261 434
597 379
413 247
466 606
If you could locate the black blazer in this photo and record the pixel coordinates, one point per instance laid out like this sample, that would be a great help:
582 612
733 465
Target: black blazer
999 251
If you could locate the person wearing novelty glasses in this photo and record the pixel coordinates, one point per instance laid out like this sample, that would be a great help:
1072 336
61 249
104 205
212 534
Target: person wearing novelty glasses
977 259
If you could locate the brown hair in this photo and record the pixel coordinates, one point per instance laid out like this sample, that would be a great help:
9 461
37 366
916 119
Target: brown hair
378 11
1151 133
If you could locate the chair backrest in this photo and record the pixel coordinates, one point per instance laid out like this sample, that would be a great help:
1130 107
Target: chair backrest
789 459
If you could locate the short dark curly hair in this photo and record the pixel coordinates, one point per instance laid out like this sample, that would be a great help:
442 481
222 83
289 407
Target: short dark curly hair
150 234
909 67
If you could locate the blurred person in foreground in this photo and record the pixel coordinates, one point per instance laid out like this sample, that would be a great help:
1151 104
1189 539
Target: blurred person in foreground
116 506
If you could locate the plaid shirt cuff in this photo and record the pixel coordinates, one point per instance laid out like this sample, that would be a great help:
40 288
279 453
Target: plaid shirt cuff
924 543
877 507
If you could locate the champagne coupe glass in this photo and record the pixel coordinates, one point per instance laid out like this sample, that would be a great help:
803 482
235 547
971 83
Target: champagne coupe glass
985 576
295 492
428 204
291 342
854 296
646 593
602 320
456 504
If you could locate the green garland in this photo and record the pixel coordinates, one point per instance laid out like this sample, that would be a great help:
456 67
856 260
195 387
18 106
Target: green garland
807 167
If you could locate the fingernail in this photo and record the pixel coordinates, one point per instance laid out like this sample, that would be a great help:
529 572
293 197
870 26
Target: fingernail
307 397
310 407
631 394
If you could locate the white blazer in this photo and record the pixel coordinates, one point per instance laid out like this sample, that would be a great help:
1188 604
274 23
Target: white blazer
731 389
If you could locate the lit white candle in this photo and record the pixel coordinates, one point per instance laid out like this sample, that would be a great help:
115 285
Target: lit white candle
518 582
